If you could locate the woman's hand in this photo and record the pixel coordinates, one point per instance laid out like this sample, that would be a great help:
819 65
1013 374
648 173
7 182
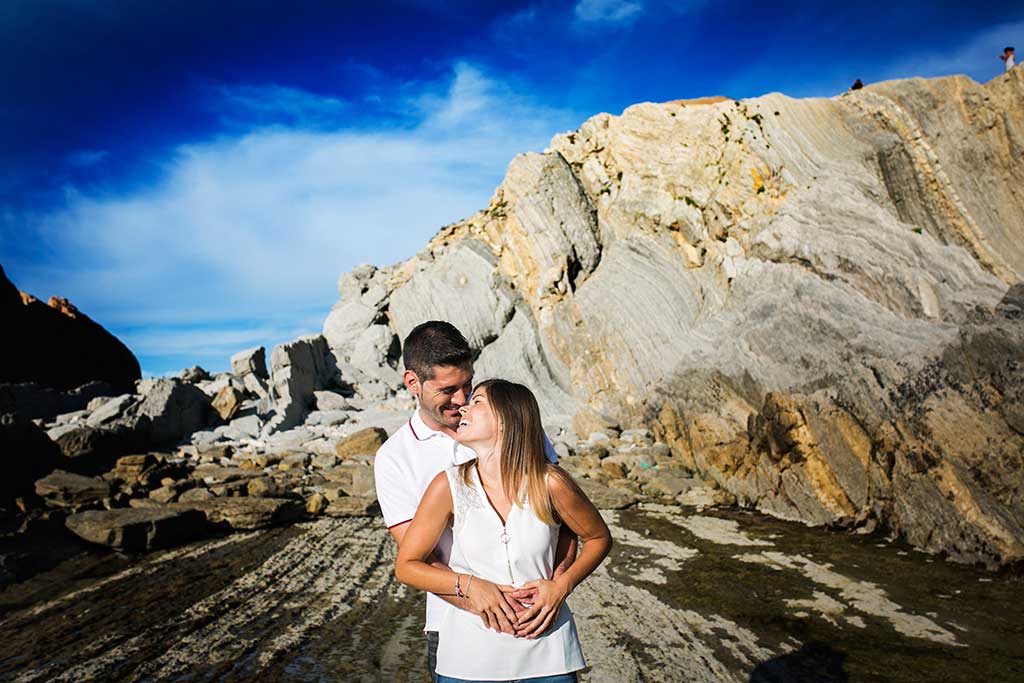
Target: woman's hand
488 600
548 597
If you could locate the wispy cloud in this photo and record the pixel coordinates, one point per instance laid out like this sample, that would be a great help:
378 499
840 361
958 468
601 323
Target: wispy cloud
253 227
86 157
608 11
275 104
977 56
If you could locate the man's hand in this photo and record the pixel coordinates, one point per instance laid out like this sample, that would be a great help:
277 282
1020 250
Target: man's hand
488 600
547 598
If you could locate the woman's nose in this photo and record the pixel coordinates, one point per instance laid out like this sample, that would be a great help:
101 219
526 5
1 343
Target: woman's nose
463 409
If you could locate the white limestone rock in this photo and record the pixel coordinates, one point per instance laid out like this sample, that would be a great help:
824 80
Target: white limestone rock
250 361
298 368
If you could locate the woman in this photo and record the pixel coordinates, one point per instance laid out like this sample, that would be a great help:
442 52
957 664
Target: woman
505 507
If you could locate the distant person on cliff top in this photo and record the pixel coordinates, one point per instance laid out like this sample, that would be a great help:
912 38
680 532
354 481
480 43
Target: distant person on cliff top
1007 58
857 85
439 373
507 507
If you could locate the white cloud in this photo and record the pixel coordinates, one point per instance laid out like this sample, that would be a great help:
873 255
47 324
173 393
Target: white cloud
978 56
608 11
258 226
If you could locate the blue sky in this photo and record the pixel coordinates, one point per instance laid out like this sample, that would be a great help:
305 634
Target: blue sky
196 175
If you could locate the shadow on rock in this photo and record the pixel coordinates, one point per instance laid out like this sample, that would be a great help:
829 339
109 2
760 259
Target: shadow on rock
815 661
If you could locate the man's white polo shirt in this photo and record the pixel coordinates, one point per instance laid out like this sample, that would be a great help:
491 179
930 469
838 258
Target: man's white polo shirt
403 469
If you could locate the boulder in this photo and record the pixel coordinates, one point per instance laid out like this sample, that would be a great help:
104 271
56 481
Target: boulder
636 436
212 386
330 401
165 494
331 418
131 468
174 410
250 361
111 410
35 401
247 427
294 461
72 491
60 430
138 529
95 449
258 387
667 484
325 461
365 349
227 403
364 442
354 479
195 494
362 482
297 369
218 474
352 506
604 497
249 513
264 487
194 375
26 454
316 504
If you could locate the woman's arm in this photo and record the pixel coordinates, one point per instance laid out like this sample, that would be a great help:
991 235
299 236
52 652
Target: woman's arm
580 515
412 568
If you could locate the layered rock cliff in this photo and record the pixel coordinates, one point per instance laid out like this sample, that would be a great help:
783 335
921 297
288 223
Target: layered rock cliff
816 303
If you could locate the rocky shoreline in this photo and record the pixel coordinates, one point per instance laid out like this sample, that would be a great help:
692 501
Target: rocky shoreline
247 473
723 595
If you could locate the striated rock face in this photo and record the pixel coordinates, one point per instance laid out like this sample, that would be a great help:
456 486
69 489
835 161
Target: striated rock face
815 303
58 346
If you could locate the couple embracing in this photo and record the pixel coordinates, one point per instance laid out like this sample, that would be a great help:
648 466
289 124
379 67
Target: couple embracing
485 521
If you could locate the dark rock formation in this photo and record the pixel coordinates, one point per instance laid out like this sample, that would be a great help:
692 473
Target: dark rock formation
26 454
32 400
134 529
57 345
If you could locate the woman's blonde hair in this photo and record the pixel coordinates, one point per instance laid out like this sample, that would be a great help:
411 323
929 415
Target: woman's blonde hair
523 461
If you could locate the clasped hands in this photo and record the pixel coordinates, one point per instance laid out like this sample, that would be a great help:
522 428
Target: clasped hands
524 612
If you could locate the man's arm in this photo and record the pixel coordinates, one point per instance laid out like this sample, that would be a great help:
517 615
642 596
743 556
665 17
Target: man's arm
565 552
413 568
398 532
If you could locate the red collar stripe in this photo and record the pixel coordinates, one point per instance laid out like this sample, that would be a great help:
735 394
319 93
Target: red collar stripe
415 435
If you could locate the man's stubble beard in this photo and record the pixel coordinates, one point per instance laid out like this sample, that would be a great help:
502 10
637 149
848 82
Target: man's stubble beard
438 416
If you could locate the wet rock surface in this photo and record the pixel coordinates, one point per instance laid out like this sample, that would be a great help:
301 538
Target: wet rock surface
721 596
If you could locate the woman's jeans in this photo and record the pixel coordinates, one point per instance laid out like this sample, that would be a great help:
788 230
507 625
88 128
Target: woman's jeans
559 678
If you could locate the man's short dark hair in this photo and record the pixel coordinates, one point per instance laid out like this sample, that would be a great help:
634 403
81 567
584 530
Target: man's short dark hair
434 343
1007 49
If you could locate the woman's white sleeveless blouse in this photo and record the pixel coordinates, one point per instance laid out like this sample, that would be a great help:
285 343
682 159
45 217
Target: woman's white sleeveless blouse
521 550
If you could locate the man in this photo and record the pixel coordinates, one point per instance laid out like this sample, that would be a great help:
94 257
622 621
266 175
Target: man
1007 57
439 373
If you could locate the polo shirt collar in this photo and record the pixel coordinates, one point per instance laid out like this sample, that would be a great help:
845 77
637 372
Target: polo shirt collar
420 430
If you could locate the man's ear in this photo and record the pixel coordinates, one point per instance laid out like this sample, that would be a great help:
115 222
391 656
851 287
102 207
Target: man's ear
412 383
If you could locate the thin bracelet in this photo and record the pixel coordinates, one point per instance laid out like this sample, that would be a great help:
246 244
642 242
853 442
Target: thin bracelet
458 591
468 584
